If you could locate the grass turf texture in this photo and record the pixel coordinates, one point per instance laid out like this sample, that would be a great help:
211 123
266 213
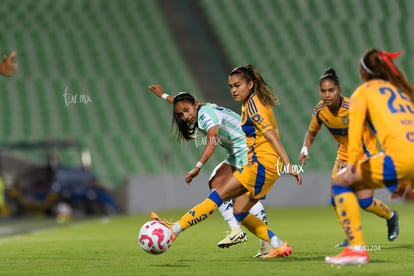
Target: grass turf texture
99 247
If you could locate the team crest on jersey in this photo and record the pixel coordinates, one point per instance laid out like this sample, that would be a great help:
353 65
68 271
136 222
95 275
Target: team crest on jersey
257 118
345 120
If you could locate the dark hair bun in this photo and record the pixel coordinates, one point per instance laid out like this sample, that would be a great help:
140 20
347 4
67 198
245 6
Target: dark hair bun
330 72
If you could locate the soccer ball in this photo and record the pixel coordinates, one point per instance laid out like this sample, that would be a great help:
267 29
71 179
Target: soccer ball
154 237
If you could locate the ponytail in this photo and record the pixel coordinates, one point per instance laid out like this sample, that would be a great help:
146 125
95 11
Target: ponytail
379 65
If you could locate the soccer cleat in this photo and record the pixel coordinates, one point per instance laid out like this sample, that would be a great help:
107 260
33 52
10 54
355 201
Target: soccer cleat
154 216
349 257
344 243
281 251
233 237
393 227
263 250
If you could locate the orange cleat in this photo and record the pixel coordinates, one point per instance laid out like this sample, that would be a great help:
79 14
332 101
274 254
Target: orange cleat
154 216
349 257
281 251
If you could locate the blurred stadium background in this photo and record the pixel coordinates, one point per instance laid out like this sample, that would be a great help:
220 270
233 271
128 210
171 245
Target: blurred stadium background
110 52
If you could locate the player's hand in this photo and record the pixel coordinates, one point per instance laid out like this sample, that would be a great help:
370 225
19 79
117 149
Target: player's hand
7 67
398 194
157 89
304 154
351 174
302 158
401 191
295 175
193 173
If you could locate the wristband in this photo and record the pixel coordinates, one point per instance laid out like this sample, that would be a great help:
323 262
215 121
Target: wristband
199 164
304 150
164 96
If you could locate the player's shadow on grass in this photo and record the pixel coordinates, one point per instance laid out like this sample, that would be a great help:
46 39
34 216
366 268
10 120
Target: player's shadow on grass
286 259
293 259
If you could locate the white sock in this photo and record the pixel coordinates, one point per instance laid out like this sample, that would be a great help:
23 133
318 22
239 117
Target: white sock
276 242
176 228
259 211
226 210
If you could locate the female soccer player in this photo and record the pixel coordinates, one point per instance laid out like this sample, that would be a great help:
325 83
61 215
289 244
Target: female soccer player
385 101
221 126
249 184
332 111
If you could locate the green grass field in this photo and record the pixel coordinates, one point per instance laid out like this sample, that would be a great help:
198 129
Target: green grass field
102 247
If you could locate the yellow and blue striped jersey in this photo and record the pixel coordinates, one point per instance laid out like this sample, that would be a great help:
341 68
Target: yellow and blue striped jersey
337 125
256 120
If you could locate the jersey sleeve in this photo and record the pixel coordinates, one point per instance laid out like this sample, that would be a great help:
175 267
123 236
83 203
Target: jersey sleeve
357 114
259 115
207 118
315 124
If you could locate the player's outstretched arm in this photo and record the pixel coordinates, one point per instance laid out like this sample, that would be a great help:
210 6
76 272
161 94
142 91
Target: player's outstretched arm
7 67
159 91
307 143
209 148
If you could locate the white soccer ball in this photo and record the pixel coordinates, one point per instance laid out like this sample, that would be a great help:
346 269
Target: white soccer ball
154 237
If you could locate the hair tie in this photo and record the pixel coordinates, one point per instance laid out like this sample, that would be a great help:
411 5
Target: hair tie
388 57
244 73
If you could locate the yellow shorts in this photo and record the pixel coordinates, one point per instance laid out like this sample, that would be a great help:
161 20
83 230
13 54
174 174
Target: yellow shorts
258 178
383 171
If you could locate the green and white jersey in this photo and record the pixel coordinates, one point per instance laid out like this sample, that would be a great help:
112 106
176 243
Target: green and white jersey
230 135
